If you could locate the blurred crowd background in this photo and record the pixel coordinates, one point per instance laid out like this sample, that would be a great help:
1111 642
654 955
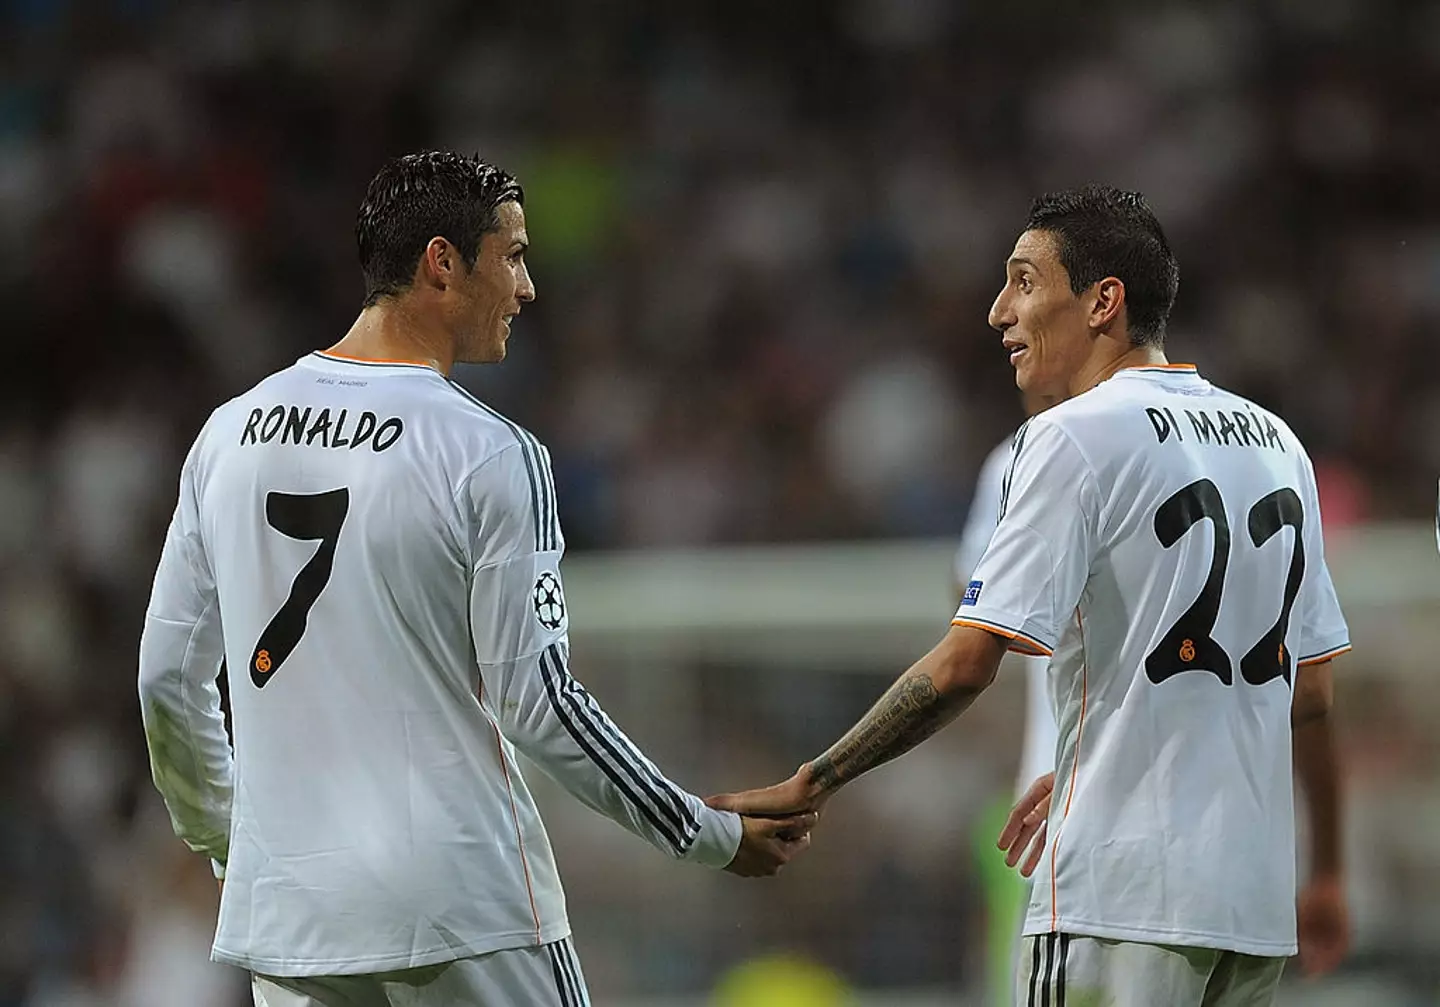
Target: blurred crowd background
765 239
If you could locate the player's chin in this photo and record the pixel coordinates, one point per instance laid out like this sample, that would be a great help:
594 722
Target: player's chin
491 351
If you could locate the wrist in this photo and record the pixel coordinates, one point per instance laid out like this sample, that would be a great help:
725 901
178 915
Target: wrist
819 779
718 841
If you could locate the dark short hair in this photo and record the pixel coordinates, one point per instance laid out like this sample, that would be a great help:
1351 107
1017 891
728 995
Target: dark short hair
1103 231
415 198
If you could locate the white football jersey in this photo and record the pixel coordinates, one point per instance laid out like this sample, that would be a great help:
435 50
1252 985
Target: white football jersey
375 556
1037 749
1161 537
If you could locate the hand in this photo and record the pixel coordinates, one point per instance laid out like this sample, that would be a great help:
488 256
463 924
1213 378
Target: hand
1324 924
1026 826
768 844
795 796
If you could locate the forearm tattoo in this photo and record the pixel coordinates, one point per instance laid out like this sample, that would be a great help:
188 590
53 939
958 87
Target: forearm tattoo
910 711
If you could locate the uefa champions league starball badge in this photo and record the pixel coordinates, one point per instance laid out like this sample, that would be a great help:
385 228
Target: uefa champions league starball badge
549 601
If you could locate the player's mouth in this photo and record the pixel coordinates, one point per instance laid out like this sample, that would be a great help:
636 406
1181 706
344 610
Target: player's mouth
1017 350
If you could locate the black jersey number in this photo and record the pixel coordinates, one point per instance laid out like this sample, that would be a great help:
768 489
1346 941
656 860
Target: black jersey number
306 516
1189 645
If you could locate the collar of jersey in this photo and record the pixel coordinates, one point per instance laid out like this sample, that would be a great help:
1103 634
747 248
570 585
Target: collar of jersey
1188 369
338 358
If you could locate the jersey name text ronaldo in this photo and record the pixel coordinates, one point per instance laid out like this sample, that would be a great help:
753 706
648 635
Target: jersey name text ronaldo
375 556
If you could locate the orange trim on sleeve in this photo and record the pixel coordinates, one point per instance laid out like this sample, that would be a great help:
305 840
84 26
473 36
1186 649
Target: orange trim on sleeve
1074 767
1019 643
1322 658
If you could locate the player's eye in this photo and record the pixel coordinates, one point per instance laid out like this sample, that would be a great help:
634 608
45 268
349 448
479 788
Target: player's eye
1023 283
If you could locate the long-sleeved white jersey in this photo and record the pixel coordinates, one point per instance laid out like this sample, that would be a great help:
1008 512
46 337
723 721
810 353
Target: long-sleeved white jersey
1161 538
374 554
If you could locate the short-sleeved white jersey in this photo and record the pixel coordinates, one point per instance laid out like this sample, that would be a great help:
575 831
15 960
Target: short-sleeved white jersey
1037 749
375 556
1162 538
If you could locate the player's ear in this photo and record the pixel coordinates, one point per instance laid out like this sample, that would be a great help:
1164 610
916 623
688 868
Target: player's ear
439 264
1109 296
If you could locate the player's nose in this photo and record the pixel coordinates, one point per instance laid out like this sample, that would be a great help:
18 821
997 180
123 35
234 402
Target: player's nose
1002 316
525 290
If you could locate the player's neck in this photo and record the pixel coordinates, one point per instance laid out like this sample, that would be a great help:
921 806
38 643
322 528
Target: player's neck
1109 359
392 330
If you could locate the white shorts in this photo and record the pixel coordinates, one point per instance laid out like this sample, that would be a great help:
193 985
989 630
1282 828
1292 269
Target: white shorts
545 976
1057 969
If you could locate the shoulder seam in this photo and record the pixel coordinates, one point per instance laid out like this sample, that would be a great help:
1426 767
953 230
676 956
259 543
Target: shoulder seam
464 481
1090 465
1020 445
537 469
1092 475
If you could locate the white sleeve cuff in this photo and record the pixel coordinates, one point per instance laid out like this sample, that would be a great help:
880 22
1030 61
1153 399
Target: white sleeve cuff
719 838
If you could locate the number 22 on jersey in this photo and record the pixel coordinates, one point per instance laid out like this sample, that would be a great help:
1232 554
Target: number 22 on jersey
1189 645
305 516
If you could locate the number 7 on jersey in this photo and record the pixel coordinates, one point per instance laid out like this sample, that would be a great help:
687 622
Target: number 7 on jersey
305 516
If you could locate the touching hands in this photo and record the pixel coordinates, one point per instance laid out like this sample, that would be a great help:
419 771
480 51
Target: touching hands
777 822
795 796
1025 828
768 844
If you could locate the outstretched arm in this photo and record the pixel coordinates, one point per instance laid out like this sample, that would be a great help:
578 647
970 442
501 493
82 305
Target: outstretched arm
1026 586
932 693
519 625
936 690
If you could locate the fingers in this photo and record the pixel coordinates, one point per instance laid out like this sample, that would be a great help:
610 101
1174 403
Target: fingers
1025 827
789 849
723 802
1037 850
1036 795
768 859
1013 824
771 831
765 803
768 844
776 824
771 802
792 828
1031 826
781 851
